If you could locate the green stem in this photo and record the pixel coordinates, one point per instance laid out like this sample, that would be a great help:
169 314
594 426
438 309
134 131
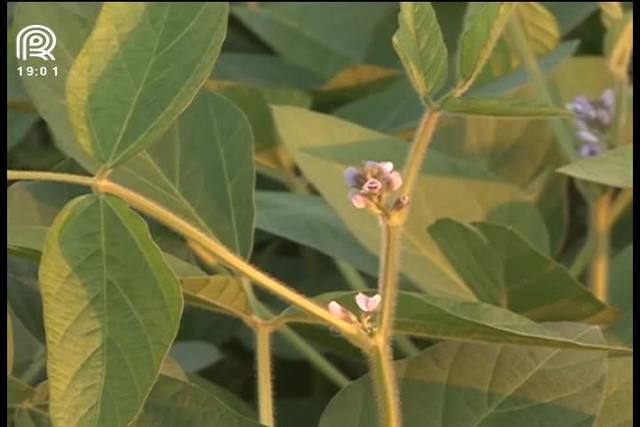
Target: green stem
263 366
530 62
599 275
381 355
385 385
102 185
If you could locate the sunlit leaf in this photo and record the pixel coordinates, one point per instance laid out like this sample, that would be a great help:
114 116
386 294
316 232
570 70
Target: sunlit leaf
617 407
613 167
419 45
141 66
222 293
111 307
498 107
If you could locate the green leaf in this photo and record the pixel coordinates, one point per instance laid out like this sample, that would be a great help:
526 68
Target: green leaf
202 171
621 295
613 167
72 23
325 40
171 368
140 68
506 108
324 146
220 293
483 26
309 221
504 269
17 391
468 385
420 46
9 344
617 408
175 403
570 15
112 308
228 398
445 319
194 356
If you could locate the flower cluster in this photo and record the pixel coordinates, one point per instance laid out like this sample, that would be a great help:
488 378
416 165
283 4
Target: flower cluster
371 183
368 306
593 121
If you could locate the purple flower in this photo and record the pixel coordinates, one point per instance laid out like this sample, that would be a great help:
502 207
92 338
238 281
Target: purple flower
588 136
608 98
591 149
582 108
368 304
352 176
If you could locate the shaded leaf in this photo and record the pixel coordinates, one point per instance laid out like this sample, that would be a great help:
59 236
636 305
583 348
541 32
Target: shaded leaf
613 167
171 368
621 295
504 269
419 44
202 171
141 66
445 319
112 308
9 344
72 23
502 108
469 385
309 221
176 403
193 356
569 15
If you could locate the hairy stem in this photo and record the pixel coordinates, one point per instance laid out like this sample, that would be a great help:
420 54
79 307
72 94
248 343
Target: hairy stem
530 62
102 185
381 354
263 366
599 275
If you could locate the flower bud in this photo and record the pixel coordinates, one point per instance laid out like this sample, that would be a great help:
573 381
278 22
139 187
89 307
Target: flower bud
591 149
340 312
357 199
394 181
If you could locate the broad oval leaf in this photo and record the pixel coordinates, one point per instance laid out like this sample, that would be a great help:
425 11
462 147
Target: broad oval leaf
505 108
202 171
613 167
139 69
175 403
483 26
446 319
488 385
420 46
112 308
505 269
617 407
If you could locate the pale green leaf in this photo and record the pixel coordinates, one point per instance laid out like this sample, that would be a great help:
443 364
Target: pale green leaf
324 146
72 23
193 356
470 385
505 108
202 171
613 167
504 269
420 46
445 319
112 308
138 70
483 26
617 408
175 403
221 293
9 344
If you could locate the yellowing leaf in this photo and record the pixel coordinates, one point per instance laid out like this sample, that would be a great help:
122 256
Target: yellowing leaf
610 12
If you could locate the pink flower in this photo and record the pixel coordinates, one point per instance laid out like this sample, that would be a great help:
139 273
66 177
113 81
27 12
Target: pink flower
340 312
394 180
357 199
368 304
372 186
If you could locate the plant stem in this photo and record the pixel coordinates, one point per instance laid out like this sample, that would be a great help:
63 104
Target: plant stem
102 185
263 366
385 385
599 276
530 62
381 355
